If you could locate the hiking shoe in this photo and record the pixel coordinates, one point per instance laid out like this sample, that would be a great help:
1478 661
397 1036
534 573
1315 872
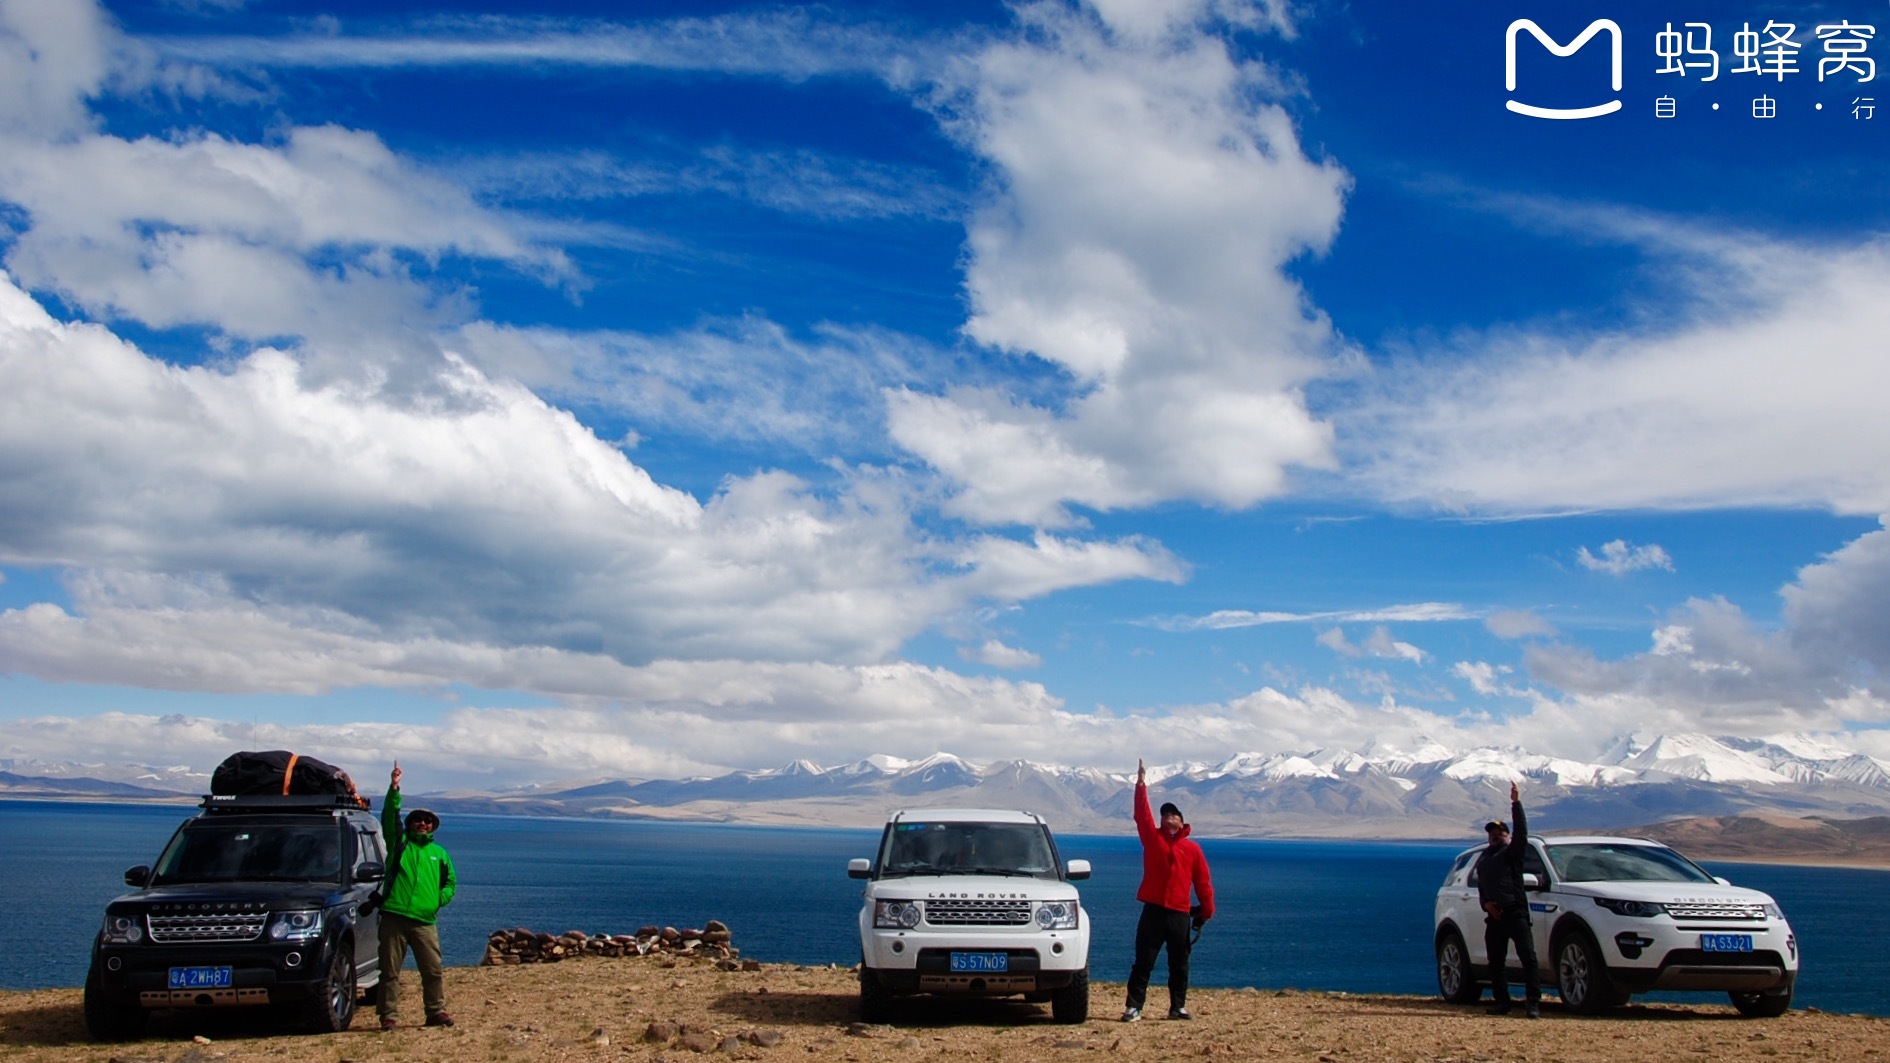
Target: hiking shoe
1132 1015
1500 1009
1179 1013
1533 1010
439 1018
388 1022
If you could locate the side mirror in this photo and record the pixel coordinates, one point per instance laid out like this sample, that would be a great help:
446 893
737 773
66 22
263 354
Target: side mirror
137 877
1530 881
1079 870
372 871
859 867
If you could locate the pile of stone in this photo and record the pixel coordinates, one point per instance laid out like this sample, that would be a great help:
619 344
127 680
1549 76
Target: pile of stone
519 945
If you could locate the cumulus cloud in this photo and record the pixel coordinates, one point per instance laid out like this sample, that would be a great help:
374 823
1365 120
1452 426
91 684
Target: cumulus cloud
1142 209
1712 664
196 493
1618 558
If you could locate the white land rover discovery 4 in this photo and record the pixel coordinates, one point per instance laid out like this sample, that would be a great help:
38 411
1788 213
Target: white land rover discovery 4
1617 916
972 901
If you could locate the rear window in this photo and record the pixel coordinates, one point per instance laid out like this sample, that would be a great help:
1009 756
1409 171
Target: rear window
222 851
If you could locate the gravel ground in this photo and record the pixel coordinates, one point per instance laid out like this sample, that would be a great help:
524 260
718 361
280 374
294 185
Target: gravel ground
608 1010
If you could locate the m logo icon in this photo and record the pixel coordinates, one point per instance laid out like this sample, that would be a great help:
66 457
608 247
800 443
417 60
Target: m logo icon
1509 67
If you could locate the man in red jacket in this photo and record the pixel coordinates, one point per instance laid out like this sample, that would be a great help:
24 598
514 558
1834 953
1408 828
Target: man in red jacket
1172 864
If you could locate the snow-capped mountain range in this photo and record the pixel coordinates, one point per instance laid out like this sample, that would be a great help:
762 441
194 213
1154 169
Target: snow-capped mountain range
1430 792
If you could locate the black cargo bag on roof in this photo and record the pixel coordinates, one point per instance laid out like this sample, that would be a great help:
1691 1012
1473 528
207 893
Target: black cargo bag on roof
278 771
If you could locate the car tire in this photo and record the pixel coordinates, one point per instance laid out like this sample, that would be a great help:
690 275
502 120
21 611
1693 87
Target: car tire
1583 977
1456 979
332 1009
876 997
1762 1005
107 1021
1070 1005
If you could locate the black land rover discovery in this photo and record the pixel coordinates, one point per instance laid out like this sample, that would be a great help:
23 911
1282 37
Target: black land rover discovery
255 901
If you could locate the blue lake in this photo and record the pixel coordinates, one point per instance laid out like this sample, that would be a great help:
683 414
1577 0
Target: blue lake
1352 916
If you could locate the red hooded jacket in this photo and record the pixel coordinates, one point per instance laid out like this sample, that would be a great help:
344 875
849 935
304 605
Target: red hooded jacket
1170 866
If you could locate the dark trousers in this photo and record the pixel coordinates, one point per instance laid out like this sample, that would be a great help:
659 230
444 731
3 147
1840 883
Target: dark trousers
398 933
1498 932
1160 926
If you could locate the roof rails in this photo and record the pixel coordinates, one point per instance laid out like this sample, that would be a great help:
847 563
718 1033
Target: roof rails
283 802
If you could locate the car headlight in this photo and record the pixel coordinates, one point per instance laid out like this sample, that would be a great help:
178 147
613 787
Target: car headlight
1773 911
1057 915
895 915
296 926
121 930
1637 909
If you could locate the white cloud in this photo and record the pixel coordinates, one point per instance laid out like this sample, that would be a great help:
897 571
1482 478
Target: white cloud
1757 389
802 182
53 55
204 503
1482 676
1618 558
1224 619
998 655
203 230
1712 665
789 43
745 381
1143 208
1379 643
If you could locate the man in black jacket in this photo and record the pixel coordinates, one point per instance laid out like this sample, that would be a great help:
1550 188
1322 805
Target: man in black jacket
1506 908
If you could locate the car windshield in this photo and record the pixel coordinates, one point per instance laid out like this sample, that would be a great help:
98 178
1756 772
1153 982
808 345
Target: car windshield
251 852
1605 862
967 849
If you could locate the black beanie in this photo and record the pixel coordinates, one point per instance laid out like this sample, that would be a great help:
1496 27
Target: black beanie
1170 806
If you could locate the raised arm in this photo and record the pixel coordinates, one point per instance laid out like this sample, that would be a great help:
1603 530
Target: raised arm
1144 817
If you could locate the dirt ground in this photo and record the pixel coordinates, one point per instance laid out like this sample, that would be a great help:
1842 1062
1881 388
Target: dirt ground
640 1011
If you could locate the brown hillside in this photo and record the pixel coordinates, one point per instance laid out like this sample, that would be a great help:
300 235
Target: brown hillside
1778 839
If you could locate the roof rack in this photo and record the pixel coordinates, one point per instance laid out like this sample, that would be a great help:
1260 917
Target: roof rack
282 802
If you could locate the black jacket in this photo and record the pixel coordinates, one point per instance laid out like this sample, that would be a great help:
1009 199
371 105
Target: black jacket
1499 868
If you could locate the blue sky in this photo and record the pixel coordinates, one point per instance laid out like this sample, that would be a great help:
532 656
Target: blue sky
567 390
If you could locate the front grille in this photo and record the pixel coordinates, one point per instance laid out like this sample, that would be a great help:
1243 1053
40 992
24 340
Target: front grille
1716 911
977 913
207 926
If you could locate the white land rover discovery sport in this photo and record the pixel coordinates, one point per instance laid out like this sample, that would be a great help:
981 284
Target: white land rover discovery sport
1618 916
972 901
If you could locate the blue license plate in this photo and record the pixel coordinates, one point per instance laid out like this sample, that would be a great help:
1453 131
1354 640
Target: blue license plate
200 978
1725 942
980 962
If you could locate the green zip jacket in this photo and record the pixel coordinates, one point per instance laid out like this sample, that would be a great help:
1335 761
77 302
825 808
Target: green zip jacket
421 879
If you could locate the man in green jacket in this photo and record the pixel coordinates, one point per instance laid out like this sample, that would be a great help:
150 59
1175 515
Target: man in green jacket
420 882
